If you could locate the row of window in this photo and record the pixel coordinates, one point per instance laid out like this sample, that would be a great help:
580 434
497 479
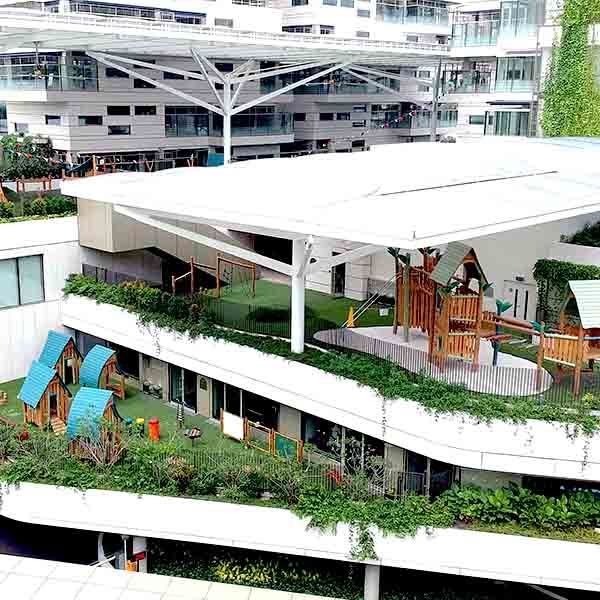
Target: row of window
111 111
22 281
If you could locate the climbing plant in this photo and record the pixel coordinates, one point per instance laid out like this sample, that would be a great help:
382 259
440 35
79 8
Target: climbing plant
571 93
552 277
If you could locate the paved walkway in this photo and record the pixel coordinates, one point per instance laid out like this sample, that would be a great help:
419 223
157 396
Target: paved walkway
32 579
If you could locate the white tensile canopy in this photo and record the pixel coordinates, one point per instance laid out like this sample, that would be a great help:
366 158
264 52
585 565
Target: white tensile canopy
406 196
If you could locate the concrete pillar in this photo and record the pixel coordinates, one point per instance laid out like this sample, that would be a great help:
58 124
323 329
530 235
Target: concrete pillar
140 544
227 123
372 573
298 284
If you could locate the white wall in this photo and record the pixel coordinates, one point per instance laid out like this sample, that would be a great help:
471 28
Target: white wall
24 328
453 551
534 447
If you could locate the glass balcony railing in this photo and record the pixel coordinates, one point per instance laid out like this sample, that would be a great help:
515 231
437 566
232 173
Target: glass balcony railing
513 85
324 89
466 82
419 120
256 124
517 28
53 77
416 13
475 33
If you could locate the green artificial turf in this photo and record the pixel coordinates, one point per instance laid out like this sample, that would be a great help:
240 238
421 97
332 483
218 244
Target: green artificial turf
324 306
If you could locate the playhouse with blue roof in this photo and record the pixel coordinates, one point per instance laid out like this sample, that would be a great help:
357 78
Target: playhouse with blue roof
60 353
45 397
100 370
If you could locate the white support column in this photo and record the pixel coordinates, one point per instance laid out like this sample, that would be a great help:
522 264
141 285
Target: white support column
298 285
226 123
371 590
435 103
140 544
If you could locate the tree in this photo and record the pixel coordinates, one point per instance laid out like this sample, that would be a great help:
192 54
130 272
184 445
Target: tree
23 157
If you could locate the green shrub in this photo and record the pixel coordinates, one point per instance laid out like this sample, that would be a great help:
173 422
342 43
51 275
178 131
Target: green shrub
36 206
58 205
7 210
8 441
274 314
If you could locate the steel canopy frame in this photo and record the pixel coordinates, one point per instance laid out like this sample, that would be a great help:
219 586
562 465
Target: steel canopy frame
233 82
302 248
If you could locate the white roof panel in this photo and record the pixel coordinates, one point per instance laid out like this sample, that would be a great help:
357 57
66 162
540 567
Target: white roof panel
404 195
587 295
19 28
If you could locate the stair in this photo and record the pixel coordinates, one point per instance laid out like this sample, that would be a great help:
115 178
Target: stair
58 426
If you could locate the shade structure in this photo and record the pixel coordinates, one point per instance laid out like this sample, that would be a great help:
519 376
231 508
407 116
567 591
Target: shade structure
405 195
78 31
587 296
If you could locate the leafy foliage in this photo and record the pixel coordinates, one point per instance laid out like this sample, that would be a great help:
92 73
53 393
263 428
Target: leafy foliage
518 505
552 277
24 158
588 235
185 315
571 94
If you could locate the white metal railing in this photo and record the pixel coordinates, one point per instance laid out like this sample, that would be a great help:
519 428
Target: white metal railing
112 25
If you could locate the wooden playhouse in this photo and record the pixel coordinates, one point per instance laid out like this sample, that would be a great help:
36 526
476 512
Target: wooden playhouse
577 343
45 398
444 299
100 370
60 352
89 408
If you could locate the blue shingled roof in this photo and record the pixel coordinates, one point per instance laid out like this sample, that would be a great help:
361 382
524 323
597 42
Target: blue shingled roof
87 409
92 365
35 384
53 348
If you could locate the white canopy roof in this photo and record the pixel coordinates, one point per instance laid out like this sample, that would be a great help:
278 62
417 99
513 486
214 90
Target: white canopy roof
405 195
19 28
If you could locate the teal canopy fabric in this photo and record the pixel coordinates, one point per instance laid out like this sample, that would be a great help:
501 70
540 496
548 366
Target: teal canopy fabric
36 383
93 363
53 348
87 409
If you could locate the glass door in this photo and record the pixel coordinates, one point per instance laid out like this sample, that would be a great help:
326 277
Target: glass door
175 384
190 390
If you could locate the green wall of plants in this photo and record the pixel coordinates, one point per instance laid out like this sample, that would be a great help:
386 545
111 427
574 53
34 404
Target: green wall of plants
571 93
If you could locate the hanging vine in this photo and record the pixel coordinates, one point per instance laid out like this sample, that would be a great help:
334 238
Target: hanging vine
571 93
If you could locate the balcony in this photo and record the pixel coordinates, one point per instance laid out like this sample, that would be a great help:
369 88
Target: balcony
417 120
419 12
254 124
344 89
475 33
51 77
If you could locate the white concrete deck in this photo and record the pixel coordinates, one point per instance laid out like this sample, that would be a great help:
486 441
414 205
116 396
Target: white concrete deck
513 376
32 579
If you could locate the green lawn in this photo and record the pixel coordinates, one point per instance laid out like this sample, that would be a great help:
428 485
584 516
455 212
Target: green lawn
325 306
136 404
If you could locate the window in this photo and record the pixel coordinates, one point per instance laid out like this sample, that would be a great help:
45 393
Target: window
145 111
224 67
118 111
169 75
22 281
299 117
325 116
476 119
326 29
141 84
362 34
52 119
186 121
343 116
363 12
424 74
21 128
111 73
223 22
119 130
347 3
329 2
297 29
90 120
299 2
423 88
359 108
362 123
412 38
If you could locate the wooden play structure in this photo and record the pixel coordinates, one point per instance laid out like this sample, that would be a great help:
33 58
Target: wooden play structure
444 299
577 343
60 352
223 272
89 407
45 398
100 370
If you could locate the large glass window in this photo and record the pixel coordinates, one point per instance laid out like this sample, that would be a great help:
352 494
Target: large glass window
186 121
22 281
507 122
515 74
